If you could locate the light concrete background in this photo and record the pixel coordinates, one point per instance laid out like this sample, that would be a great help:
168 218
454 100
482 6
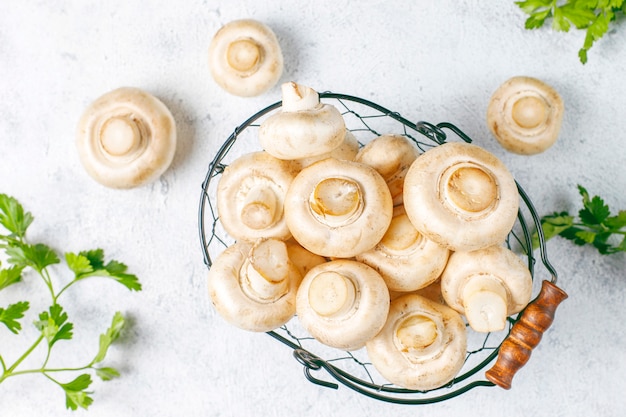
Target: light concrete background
430 60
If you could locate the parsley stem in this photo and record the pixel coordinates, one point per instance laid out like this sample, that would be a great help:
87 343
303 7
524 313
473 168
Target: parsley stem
8 372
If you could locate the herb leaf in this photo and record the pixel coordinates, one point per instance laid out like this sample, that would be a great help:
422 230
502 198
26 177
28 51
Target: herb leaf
91 264
10 276
13 217
110 336
52 325
76 394
38 256
12 313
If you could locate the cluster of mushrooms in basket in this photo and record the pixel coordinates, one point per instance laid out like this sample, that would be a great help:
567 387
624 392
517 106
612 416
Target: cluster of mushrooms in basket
381 246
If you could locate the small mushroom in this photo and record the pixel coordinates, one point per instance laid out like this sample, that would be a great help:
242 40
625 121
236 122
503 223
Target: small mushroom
304 127
406 259
487 286
338 208
250 196
461 196
126 138
253 285
346 151
525 115
422 345
303 259
245 58
342 303
391 156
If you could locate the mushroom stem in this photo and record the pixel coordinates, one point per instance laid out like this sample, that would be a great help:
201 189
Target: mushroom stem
331 294
485 303
469 188
244 55
336 201
298 97
120 135
419 337
264 274
259 208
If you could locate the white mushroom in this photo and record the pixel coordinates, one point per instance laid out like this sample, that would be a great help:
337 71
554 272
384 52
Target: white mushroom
338 208
342 303
254 286
406 259
303 259
245 58
391 156
525 115
303 127
347 151
126 138
251 194
486 286
422 345
461 196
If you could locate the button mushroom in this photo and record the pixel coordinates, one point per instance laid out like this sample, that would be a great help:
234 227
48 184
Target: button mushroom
245 58
253 285
250 196
347 151
304 127
126 138
422 345
342 303
338 208
486 286
406 260
391 156
525 115
461 196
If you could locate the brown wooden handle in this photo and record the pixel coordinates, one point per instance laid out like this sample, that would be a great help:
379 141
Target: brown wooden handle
526 335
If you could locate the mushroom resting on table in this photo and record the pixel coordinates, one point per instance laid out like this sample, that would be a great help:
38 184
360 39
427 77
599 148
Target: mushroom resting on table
245 58
126 138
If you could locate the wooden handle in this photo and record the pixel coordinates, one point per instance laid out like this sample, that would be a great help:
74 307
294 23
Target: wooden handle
526 335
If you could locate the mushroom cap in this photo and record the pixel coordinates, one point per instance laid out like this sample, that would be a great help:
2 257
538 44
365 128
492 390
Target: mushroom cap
304 127
338 208
405 259
342 303
250 196
461 196
126 138
525 115
422 345
245 58
238 296
347 151
391 156
492 267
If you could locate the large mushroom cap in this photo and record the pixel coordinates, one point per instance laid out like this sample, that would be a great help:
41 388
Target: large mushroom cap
245 58
486 285
253 285
251 194
303 127
338 208
525 115
461 196
342 303
126 138
422 345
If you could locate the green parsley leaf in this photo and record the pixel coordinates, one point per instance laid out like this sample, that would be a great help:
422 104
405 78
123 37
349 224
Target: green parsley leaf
38 256
10 276
91 264
13 217
76 394
110 336
52 325
107 373
12 313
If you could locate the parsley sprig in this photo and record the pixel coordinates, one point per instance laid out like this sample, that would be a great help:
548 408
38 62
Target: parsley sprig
593 16
53 324
594 225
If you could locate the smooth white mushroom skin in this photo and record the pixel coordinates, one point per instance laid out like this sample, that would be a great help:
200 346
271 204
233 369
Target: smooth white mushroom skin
422 345
245 58
487 286
347 151
391 156
302 258
338 208
525 115
253 286
304 127
342 303
126 138
406 260
461 196
250 196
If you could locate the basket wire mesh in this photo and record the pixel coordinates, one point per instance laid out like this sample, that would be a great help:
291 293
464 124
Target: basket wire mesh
367 120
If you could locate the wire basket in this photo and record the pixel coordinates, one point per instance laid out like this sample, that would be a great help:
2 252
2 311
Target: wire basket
509 349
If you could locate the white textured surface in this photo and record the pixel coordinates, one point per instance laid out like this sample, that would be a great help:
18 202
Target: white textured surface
429 60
